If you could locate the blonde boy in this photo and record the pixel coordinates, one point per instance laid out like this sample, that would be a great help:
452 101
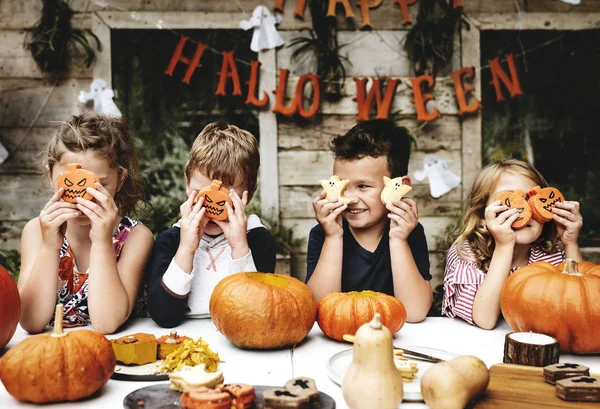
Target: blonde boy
190 258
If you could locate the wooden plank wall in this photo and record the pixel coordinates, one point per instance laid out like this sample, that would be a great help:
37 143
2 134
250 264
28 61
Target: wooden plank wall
29 107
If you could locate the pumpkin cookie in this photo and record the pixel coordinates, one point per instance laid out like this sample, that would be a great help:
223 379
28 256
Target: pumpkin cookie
541 201
393 190
308 385
281 398
192 377
75 181
204 398
215 197
335 188
242 394
135 349
516 200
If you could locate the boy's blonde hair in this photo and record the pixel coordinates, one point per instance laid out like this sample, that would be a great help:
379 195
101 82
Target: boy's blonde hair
223 151
107 137
480 240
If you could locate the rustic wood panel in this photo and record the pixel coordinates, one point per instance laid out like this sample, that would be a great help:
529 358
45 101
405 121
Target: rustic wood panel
495 6
308 167
26 158
296 201
21 99
10 234
15 188
443 133
537 21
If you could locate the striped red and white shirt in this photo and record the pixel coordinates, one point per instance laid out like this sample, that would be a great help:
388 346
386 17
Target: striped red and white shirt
462 279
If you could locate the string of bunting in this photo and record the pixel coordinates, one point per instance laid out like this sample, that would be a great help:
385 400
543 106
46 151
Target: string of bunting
422 86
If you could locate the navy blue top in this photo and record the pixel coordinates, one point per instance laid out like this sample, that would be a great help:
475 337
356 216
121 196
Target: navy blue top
365 270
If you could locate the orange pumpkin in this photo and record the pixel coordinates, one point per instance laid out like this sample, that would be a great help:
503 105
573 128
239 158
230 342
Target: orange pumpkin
10 307
59 366
541 201
516 199
215 197
75 181
263 311
561 301
343 313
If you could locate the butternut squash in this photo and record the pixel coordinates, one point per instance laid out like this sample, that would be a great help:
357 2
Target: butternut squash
453 384
372 380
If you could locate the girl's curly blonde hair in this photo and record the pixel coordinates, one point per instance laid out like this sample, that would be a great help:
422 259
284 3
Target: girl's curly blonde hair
470 230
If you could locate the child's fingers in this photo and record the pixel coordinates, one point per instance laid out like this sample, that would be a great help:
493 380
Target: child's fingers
186 207
89 213
572 207
88 205
59 205
338 211
196 220
245 199
402 208
398 219
320 197
505 215
231 215
104 200
51 217
510 219
60 220
55 198
328 207
197 207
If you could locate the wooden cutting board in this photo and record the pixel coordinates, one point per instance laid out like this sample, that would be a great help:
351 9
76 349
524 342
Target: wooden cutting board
523 387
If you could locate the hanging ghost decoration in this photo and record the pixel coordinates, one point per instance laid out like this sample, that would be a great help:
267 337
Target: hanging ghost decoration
265 34
102 95
441 179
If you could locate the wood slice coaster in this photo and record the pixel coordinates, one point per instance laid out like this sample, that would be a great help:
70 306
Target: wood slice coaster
529 348
556 372
580 389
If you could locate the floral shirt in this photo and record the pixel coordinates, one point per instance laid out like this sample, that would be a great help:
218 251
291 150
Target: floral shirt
73 284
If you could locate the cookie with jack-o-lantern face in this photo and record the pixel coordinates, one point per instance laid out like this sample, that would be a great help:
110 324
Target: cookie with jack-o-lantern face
215 197
75 181
516 200
541 201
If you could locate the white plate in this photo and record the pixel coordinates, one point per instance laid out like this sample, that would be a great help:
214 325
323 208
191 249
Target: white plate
145 372
339 363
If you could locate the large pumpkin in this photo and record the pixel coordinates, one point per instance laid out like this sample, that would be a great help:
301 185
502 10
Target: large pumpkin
10 307
344 313
562 301
263 311
59 366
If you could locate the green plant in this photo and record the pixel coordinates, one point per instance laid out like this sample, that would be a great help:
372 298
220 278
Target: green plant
52 39
430 41
322 43
11 261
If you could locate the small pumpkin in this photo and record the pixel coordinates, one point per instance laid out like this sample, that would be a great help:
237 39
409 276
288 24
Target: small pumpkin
343 313
10 307
541 201
561 301
169 343
59 366
75 181
263 311
516 200
215 197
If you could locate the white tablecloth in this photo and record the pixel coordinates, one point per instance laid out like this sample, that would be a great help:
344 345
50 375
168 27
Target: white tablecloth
307 359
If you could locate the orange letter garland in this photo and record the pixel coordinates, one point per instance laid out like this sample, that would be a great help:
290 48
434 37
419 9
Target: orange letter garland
316 103
177 57
298 11
365 6
280 107
404 10
228 69
421 99
461 91
498 74
252 86
365 103
334 3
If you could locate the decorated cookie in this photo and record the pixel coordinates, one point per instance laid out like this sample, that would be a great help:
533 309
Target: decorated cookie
556 372
580 389
204 398
242 394
281 398
516 200
135 349
394 189
308 385
541 201
75 181
335 188
215 197
192 377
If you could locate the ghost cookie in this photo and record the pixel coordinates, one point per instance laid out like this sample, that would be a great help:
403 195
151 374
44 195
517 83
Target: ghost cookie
516 200
308 385
281 398
541 201
75 182
394 189
335 188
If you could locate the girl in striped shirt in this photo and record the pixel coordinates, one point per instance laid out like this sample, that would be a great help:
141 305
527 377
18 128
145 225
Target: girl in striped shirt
487 249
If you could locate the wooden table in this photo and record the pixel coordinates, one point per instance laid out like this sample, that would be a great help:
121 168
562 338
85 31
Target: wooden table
307 359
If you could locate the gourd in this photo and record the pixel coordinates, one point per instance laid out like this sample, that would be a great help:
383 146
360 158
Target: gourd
453 384
343 313
59 366
263 311
372 380
561 301
10 307
135 349
75 181
215 197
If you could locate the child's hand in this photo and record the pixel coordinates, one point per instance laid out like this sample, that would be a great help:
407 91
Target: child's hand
192 223
329 214
568 222
53 219
404 217
235 229
499 222
103 213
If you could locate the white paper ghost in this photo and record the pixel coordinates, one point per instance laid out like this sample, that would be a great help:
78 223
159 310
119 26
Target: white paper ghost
441 179
265 34
103 96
